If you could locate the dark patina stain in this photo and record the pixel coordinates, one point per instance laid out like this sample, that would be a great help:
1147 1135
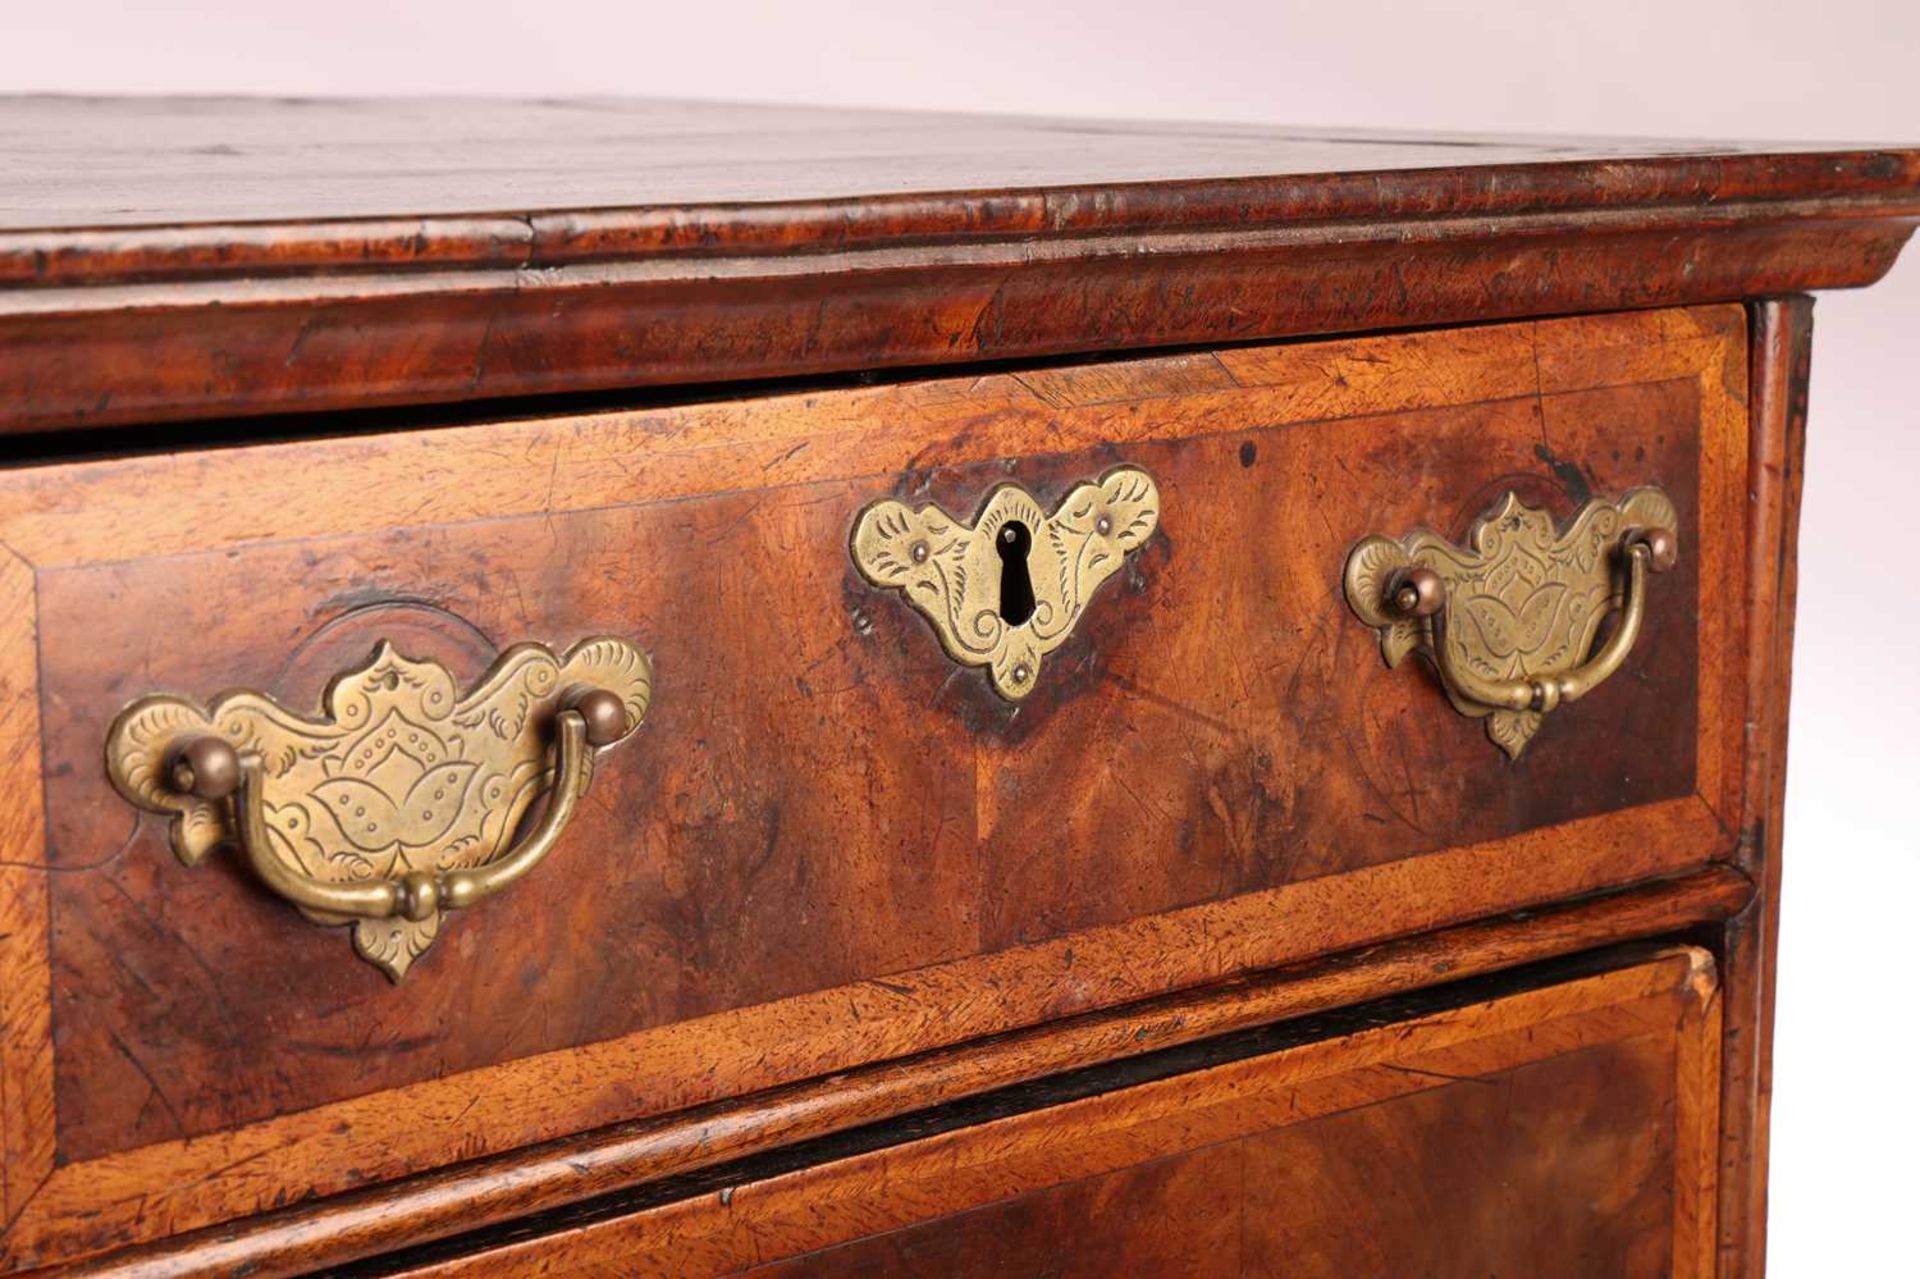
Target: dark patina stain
1571 478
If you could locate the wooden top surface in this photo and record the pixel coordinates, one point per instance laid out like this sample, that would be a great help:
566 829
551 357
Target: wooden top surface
98 162
172 188
173 259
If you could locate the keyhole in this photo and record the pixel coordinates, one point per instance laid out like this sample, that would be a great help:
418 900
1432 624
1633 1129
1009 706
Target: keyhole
1016 586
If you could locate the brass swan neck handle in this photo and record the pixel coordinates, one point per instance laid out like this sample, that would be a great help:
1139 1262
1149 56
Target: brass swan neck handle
1509 619
1420 592
402 799
211 769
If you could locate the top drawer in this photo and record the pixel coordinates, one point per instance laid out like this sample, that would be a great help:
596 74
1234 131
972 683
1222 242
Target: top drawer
828 842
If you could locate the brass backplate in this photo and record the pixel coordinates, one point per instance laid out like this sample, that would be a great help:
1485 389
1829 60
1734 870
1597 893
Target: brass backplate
956 574
401 774
1524 601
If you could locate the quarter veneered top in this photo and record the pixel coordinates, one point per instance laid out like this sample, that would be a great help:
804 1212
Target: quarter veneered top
702 175
97 162
199 257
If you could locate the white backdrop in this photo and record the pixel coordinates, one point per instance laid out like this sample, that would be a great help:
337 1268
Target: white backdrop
1844 1120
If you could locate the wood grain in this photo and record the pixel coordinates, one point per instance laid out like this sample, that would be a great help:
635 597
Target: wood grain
1550 1168
1536 1133
836 894
1782 352
963 831
1175 1216
1297 799
188 260
599 167
477 1194
26 1034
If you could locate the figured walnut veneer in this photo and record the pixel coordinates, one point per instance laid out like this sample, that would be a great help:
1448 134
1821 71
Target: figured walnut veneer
832 770
448 376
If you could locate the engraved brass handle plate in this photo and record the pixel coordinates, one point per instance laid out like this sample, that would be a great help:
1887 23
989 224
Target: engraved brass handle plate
1007 590
403 802
1509 620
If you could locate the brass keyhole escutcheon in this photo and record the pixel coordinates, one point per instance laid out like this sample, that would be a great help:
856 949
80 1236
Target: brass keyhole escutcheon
1006 590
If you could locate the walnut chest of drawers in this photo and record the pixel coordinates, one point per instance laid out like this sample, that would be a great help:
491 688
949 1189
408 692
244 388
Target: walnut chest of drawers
632 688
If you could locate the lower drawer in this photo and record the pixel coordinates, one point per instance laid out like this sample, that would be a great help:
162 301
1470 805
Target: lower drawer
1558 1123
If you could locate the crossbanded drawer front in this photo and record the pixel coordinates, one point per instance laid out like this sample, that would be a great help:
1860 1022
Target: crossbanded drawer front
1522 1126
820 838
